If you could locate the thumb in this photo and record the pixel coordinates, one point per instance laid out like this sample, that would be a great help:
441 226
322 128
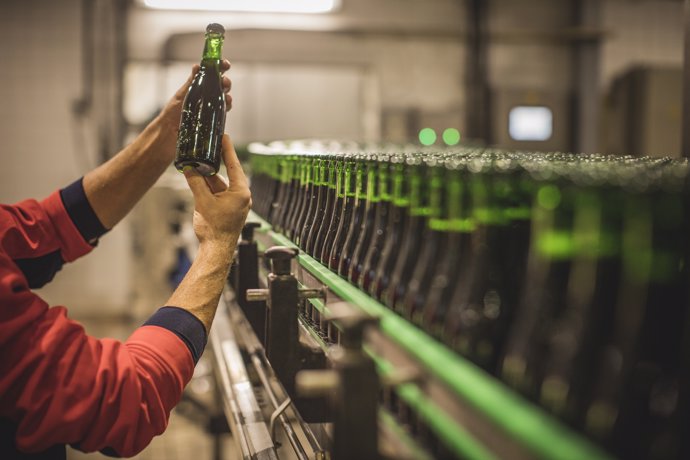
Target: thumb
197 184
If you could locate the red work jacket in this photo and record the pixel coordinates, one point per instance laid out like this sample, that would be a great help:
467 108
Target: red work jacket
58 385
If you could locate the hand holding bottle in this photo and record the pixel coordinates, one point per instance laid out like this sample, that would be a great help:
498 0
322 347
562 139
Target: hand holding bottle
220 209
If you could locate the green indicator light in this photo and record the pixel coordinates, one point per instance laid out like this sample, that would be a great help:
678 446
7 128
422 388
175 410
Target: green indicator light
556 245
427 136
451 136
549 197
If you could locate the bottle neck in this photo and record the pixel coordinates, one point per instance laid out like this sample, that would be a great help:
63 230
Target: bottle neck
284 167
303 172
420 192
360 182
316 172
454 209
552 226
347 186
372 183
384 182
212 50
332 174
486 209
275 168
401 184
339 171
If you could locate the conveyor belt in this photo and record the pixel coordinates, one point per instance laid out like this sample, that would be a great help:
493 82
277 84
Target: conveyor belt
471 413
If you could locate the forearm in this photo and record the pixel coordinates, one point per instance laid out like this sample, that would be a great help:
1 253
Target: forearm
200 290
116 186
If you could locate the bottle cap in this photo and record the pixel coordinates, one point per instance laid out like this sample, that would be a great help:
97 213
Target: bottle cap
215 28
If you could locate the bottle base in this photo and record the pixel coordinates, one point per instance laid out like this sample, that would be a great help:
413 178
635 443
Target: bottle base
202 168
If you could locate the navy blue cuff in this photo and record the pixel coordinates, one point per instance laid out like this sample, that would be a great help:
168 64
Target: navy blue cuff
81 212
185 325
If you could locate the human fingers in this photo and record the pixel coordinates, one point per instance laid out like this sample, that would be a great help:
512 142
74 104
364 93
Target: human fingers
197 184
235 174
225 65
217 183
227 85
182 90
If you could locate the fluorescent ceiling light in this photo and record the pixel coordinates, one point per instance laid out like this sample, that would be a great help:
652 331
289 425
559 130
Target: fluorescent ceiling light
254 6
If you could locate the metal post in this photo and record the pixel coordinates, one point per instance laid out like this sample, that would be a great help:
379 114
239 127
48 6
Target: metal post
282 335
685 126
476 80
246 276
587 69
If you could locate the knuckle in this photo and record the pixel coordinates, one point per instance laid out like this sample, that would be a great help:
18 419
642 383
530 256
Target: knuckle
245 196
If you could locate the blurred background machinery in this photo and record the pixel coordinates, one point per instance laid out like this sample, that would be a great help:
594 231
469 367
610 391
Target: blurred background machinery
583 76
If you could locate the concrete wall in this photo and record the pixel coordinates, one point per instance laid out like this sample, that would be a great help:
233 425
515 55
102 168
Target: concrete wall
641 32
45 146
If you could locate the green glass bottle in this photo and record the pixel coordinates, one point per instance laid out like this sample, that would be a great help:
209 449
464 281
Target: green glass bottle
203 111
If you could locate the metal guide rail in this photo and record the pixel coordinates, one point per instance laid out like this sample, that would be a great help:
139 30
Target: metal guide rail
265 420
433 403
262 420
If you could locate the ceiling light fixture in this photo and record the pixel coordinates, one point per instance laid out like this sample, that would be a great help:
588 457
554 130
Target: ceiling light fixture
253 6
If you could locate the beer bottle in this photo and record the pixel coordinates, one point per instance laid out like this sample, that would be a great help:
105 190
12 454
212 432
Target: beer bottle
346 197
425 181
203 111
548 271
482 309
282 196
367 227
308 191
397 224
635 401
263 185
378 238
344 259
434 242
314 203
579 327
290 198
332 209
299 193
453 262
323 197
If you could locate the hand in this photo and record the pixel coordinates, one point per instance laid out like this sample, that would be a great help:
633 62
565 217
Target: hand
220 209
169 117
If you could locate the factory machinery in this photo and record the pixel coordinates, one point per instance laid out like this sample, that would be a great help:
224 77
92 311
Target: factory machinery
401 302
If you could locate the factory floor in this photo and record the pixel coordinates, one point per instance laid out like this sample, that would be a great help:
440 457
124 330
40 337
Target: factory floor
183 439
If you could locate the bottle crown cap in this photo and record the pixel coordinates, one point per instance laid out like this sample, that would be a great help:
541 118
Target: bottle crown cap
215 28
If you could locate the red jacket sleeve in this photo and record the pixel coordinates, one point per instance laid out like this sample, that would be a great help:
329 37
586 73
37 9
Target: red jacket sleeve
31 228
40 236
58 385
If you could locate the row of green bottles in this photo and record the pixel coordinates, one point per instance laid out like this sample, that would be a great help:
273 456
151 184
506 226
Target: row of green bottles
564 276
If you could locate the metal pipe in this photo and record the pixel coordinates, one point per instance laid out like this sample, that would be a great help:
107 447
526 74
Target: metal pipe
685 126
292 436
256 354
476 79
586 64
